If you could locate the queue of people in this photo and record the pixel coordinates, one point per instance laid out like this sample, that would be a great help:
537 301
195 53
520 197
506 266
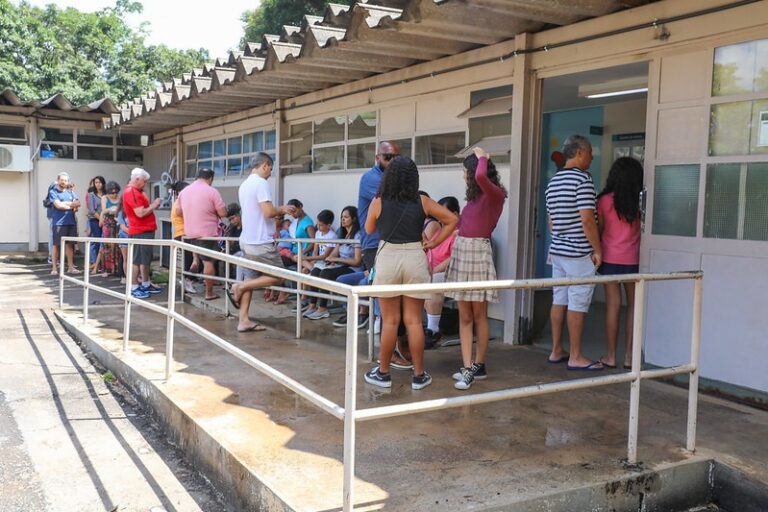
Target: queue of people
397 235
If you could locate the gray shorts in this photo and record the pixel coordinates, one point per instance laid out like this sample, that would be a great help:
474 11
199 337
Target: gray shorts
60 231
142 254
262 253
211 245
576 297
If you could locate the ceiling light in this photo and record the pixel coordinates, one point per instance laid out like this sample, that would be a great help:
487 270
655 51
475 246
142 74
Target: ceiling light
617 93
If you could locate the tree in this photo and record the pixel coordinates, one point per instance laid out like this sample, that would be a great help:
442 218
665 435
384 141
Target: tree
85 56
270 16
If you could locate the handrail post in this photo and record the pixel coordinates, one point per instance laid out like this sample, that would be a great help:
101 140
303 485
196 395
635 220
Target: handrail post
371 329
693 380
170 321
299 287
637 351
86 279
226 276
62 251
183 277
128 284
350 402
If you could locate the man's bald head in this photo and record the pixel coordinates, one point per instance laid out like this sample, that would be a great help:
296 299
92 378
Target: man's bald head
387 151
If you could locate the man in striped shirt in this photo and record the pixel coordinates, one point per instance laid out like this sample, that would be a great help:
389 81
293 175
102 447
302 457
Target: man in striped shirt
575 250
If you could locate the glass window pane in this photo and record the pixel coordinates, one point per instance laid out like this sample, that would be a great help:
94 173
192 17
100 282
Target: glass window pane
94 137
756 203
57 151
329 159
234 146
191 169
58 134
257 143
94 153
734 69
491 126
129 155
128 139
12 132
729 128
191 152
219 167
204 164
205 150
234 166
761 66
721 212
405 146
220 148
330 130
439 149
759 140
675 200
362 126
269 140
361 156
247 143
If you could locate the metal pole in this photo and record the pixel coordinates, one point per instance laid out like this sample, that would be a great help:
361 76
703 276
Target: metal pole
226 275
350 401
299 287
183 277
62 251
170 323
637 351
86 279
371 327
693 382
128 284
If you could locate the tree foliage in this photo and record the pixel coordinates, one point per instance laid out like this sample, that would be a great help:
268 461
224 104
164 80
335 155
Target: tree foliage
86 56
270 16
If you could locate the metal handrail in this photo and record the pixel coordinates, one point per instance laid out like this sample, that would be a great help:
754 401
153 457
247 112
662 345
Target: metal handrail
349 413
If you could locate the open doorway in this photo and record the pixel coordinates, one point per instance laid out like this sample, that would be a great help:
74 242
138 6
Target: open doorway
608 106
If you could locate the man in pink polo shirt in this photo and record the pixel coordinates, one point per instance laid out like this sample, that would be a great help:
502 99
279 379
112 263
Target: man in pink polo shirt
201 206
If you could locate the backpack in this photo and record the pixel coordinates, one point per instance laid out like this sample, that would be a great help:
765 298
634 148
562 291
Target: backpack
47 203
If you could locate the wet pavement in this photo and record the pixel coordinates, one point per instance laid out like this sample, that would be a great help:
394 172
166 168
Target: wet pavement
472 458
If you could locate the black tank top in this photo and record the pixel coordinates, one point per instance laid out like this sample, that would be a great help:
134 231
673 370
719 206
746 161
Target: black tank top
401 222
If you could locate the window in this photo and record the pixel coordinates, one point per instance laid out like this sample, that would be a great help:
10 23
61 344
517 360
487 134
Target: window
490 117
736 202
229 156
439 149
10 134
736 195
332 144
95 145
676 200
58 143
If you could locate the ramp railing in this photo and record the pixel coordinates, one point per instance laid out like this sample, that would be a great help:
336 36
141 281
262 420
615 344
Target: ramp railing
349 413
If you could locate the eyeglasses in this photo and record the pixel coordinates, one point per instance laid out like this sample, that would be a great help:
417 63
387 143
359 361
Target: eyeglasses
388 156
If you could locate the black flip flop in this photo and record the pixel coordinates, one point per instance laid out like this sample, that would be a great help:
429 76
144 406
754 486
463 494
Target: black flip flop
231 298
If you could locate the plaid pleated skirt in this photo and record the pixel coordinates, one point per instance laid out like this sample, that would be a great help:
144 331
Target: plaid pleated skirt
472 260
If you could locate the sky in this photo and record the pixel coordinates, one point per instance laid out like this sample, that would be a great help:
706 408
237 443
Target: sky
181 24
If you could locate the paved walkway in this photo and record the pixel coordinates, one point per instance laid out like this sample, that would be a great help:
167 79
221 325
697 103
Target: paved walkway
68 441
473 458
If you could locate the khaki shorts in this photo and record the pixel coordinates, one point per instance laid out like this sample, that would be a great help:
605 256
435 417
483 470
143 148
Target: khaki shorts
402 264
261 253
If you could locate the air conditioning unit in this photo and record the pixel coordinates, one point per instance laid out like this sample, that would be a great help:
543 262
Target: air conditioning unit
15 158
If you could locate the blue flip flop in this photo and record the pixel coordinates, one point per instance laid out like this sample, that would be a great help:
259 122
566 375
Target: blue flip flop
559 360
592 367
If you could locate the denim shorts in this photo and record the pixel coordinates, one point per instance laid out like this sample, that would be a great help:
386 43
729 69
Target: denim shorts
577 297
616 269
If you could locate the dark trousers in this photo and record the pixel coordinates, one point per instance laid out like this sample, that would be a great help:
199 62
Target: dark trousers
331 274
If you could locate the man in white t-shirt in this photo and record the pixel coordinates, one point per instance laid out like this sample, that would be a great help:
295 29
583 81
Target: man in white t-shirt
257 238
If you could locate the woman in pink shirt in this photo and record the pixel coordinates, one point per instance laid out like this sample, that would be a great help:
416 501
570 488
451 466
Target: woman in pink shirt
618 213
472 260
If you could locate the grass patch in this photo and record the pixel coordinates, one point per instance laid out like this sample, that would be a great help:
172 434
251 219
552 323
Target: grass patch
108 376
160 277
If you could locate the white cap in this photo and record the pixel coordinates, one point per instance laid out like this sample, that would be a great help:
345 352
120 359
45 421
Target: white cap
138 172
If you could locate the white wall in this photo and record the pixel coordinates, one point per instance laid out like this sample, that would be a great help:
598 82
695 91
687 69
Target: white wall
14 196
81 172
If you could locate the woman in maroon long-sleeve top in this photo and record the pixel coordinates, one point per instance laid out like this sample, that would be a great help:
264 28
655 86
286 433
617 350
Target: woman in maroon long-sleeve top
472 260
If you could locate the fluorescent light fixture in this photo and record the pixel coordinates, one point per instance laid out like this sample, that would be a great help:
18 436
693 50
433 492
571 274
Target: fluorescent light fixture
617 93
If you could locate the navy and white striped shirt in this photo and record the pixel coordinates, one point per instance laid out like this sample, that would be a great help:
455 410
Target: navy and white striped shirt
569 191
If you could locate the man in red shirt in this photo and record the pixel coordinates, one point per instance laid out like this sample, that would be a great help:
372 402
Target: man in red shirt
140 214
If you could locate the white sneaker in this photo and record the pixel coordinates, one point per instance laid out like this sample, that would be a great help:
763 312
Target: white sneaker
189 287
376 326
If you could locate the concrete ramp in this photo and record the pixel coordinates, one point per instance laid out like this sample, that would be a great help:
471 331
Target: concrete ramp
267 449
